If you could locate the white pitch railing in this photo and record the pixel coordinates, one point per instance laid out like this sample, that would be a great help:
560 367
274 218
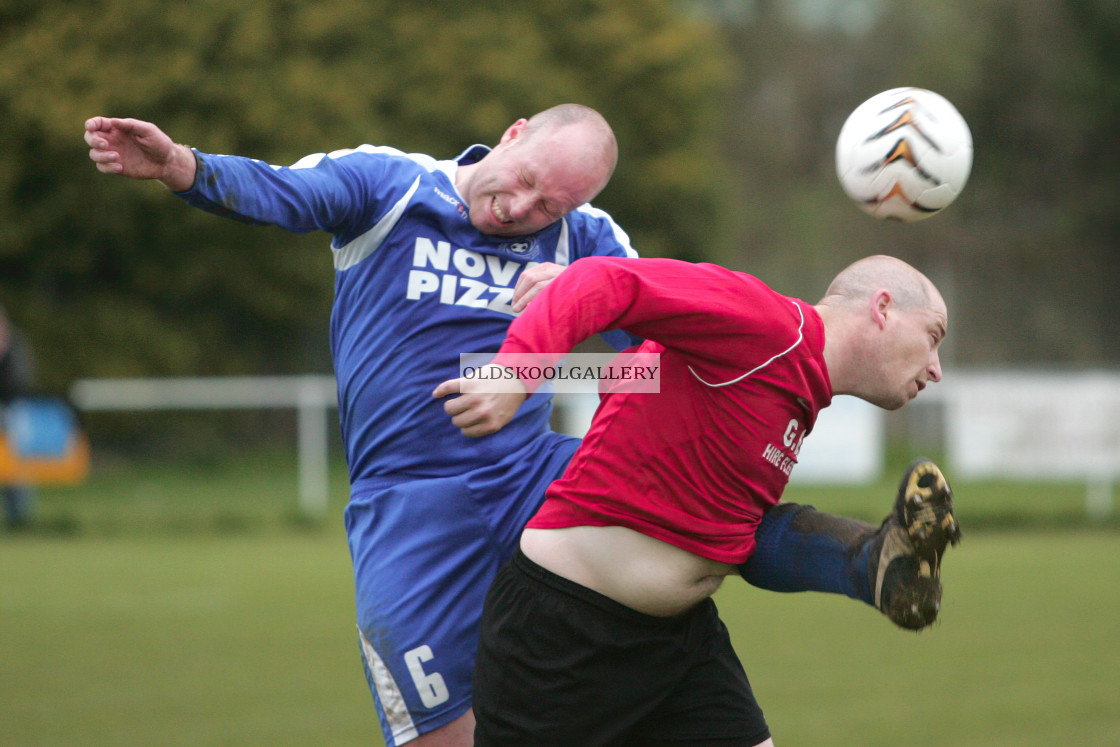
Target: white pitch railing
311 396
1000 424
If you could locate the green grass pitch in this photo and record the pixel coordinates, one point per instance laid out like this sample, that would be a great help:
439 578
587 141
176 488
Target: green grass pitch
137 620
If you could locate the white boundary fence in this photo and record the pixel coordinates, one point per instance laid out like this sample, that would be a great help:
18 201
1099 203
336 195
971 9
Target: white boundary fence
1037 425
998 424
311 396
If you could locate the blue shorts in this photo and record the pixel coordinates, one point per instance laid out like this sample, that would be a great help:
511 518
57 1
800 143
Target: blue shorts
425 552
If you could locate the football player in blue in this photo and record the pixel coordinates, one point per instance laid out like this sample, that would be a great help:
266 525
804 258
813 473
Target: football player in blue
433 258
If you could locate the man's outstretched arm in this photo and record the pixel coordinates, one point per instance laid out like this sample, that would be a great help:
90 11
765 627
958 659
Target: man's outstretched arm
139 150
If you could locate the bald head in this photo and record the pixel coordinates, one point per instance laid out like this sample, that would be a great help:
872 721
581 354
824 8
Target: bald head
884 322
589 127
542 169
859 281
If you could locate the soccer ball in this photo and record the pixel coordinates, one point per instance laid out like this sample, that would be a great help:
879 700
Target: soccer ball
904 154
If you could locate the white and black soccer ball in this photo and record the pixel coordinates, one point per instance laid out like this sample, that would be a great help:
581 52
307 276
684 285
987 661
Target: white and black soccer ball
904 154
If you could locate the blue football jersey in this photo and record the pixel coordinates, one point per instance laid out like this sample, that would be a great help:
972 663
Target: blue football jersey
416 285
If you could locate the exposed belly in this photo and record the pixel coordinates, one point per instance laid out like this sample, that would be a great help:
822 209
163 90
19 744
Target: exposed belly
633 569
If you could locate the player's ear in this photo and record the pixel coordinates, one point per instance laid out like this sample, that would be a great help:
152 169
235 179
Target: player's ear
514 131
881 303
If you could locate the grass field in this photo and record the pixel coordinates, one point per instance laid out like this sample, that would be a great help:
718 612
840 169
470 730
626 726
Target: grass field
188 606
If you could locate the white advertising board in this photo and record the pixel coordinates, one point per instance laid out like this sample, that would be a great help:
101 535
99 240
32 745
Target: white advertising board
1034 425
847 445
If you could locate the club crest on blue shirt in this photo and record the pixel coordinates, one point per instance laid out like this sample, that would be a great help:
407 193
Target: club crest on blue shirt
526 248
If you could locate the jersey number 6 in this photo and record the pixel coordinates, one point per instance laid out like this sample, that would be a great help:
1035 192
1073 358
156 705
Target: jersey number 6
431 687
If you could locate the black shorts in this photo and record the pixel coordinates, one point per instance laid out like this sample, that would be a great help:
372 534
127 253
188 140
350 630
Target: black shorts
559 664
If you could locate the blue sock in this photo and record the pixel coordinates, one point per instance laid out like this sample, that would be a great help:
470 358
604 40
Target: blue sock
801 549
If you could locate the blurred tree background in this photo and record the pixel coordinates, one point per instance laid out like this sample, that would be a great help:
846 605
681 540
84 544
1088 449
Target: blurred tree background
111 277
726 112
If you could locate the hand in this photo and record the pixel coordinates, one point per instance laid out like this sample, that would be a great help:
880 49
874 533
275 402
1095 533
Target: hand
480 413
532 282
139 150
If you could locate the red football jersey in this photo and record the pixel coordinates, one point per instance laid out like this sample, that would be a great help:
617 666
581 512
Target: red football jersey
743 377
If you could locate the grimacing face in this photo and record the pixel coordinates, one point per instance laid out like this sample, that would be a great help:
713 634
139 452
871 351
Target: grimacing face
526 183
